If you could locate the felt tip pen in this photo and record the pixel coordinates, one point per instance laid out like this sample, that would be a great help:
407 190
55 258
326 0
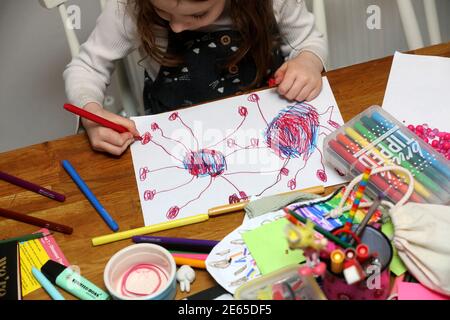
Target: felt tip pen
90 196
98 241
66 278
419 161
420 166
428 183
199 264
353 162
46 284
442 166
97 119
26 218
337 258
32 187
362 252
195 245
354 147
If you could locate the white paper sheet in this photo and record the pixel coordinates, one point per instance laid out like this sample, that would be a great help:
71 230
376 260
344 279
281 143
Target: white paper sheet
217 153
418 91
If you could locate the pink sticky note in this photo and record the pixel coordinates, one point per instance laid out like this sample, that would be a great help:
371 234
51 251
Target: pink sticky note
416 291
52 248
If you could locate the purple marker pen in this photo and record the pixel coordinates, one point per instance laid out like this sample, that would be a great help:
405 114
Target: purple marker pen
182 244
32 187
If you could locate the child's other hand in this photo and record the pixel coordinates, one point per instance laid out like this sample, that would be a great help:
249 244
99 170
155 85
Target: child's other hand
300 79
105 139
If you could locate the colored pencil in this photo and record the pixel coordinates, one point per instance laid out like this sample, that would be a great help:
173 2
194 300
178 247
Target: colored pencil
148 229
32 187
97 119
35 221
235 207
196 245
24 238
90 196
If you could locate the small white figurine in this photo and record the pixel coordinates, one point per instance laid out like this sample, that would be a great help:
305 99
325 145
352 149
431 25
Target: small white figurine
185 276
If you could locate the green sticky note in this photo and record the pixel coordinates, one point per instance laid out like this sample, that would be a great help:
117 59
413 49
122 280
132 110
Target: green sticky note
397 266
388 229
269 247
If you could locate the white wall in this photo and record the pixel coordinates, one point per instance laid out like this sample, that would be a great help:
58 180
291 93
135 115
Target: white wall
352 42
33 54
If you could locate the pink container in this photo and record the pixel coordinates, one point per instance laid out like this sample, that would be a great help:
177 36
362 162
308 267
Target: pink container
372 288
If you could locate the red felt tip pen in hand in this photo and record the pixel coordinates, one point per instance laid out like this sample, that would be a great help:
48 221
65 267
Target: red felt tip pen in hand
97 119
272 82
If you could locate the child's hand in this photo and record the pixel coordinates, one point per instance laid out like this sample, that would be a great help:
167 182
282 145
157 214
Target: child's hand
300 78
105 139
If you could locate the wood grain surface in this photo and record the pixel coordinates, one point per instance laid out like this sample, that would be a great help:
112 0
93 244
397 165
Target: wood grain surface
112 180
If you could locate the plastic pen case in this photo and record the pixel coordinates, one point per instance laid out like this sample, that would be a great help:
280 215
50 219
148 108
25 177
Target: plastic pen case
375 139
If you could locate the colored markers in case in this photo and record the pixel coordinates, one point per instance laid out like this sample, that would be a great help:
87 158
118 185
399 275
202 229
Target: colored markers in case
375 139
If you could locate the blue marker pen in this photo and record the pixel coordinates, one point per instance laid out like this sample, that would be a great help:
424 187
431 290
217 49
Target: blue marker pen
47 285
89 195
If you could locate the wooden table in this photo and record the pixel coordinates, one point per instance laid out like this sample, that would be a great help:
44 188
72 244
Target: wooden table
112 180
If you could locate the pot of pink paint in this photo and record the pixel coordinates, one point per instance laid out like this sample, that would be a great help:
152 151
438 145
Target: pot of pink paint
141 272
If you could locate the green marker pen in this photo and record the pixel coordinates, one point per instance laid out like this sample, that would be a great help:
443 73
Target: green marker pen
72 282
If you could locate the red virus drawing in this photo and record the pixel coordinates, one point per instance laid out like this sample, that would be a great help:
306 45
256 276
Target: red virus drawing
292 134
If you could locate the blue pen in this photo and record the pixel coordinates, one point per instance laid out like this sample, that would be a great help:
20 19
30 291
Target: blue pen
47 285
89 195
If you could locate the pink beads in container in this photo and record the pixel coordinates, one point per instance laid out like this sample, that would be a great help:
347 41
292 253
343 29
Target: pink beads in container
439 140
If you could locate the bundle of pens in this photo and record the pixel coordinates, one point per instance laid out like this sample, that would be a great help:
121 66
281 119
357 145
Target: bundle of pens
375 139
353 253
191 252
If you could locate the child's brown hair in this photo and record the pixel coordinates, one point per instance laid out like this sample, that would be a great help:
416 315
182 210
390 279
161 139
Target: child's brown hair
253 19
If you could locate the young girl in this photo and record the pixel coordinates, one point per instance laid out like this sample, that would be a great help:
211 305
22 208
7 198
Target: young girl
195 51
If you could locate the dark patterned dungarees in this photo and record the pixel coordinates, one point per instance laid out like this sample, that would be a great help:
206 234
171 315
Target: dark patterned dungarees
202 76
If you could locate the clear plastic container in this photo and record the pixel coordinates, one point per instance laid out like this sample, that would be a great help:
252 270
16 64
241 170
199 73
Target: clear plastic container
283 284
374 139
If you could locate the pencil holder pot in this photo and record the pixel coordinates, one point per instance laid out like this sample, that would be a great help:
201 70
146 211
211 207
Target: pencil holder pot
375 286
141 272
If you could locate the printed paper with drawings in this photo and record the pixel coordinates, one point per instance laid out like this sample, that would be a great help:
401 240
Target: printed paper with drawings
230 150
230 262
418 91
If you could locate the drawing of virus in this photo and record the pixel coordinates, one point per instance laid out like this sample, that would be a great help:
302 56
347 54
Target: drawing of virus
292 134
